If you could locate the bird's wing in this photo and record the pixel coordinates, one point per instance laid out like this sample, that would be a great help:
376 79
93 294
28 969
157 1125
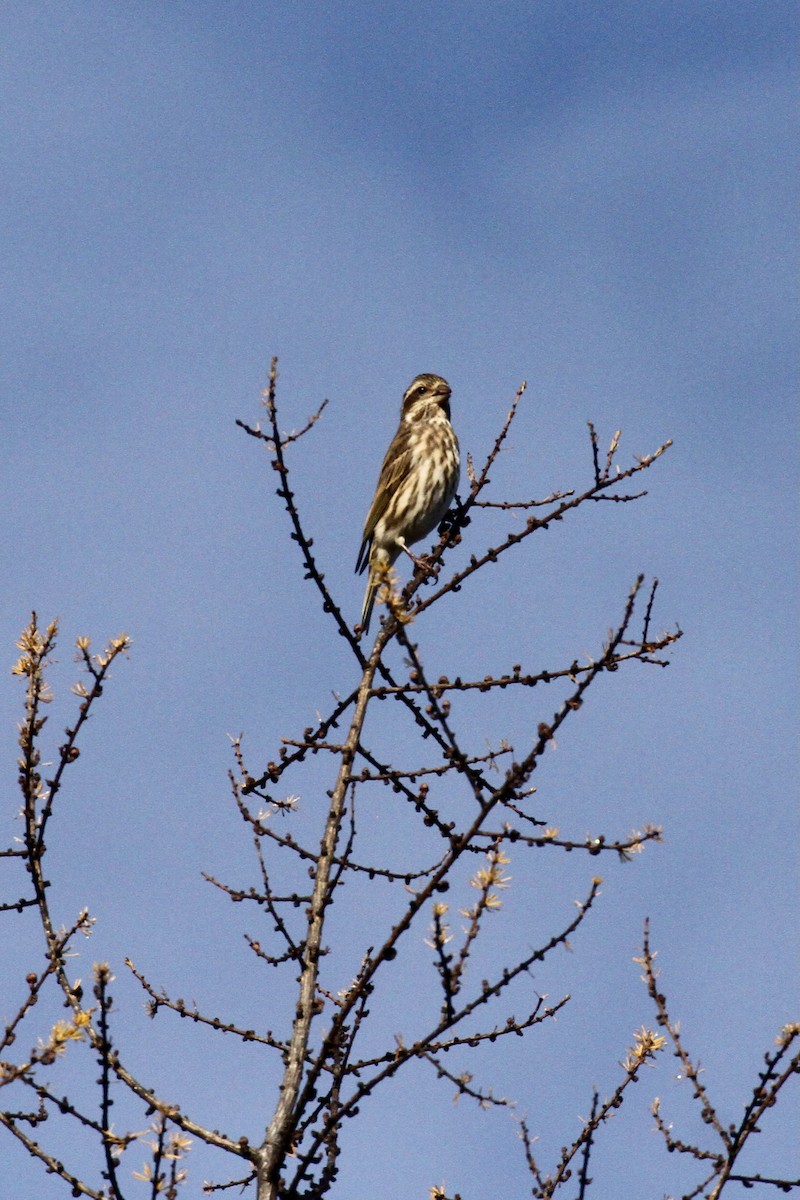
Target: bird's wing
397 466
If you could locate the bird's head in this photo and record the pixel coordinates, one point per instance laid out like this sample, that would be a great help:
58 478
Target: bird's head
425 396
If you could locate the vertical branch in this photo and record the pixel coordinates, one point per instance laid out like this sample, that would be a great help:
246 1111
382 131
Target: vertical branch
36 647
277 1140
103 978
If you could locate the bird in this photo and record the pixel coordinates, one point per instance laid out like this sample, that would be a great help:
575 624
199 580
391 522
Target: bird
416 484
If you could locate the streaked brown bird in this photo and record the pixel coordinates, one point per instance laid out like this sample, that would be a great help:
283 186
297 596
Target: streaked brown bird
416 485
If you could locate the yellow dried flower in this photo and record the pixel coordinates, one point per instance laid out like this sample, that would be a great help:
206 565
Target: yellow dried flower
645 1046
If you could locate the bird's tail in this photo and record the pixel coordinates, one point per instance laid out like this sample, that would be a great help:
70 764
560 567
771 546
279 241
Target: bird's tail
380 572
369 602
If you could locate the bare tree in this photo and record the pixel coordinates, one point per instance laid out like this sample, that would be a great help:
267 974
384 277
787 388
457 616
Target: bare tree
467 809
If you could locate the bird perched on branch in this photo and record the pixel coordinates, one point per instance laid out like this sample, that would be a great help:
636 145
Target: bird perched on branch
416 485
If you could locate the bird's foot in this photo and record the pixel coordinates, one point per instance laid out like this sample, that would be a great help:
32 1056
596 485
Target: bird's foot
423 563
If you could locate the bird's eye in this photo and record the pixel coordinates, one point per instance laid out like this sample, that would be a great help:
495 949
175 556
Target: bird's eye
421 390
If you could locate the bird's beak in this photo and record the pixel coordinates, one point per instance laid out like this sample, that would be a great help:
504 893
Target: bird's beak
442 390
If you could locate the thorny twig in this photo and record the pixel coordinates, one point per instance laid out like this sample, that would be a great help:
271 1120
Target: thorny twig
779 1067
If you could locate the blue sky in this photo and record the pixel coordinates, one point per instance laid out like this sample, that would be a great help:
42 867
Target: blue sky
600 199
